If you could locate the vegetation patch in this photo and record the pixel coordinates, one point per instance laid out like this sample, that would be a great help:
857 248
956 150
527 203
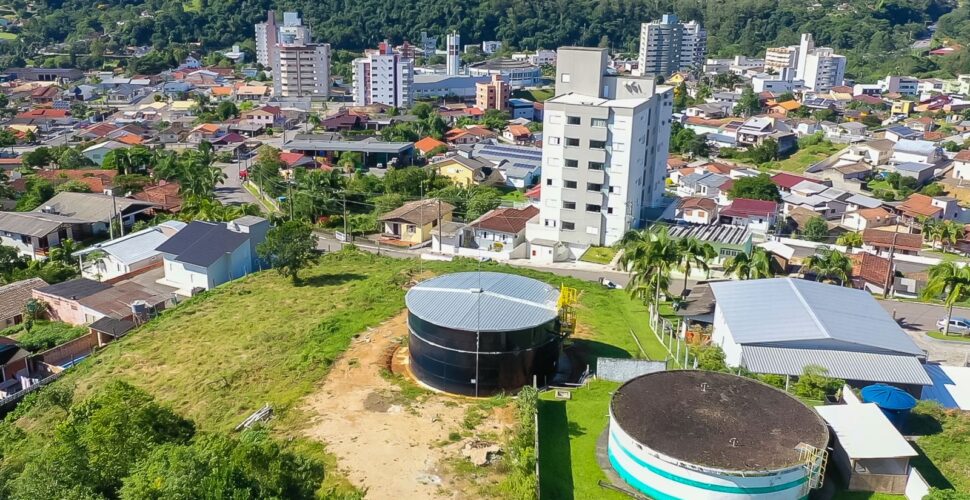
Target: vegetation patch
43 335
599 255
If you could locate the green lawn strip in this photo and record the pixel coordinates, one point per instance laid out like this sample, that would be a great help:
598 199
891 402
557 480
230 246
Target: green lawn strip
537 95
943 445
7 36
803 158
954 337
599 255
865 495
514 197
568 431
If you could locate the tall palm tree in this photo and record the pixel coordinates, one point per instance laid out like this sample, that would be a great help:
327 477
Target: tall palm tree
831 265
950 281
750 266
949 233
649 255
932 230
850 241
694 253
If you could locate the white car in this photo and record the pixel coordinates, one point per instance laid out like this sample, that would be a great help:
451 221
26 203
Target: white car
957 325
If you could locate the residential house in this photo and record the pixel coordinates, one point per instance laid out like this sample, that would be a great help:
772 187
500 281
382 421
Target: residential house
867 218
848 176
874 152
464 171
757 129
252 92
32 235
173 134
922 124
82 301
918 206
697 210
882 242
961 165
921 172
13 366
871 272
13 297
845 132
97 152
95 210
204 255
517 134
704 184
127 255
469 135
343 120
902 107
827 202
263 116
97 180
44 118
709 110
165 196
916 151
499 234
727 240
780 326
756 215
786 181
429 144
206 132
413 222
783 108
44 95
520 165
901 132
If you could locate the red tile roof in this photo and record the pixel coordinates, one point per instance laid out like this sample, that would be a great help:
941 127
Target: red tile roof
698 202
871 268
427 144
519 131
742 207
506 220
45 113
919 205
904 241
164 194
787 181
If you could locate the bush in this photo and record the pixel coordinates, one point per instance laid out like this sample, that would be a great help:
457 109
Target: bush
521 482
815 384
45 334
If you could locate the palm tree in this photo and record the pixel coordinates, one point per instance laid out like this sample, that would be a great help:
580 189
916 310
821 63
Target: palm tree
951 281
949 232
750 266
694 253
831 264
931 230
649 255
850 241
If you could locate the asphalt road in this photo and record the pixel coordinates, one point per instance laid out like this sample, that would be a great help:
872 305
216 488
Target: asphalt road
231 192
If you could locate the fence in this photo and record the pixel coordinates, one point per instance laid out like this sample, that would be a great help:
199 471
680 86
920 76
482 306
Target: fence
9 402
621 370
666 333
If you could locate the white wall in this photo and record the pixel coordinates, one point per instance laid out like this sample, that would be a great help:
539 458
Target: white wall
722 337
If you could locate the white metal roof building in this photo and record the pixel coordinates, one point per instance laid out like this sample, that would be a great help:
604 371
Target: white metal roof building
782 325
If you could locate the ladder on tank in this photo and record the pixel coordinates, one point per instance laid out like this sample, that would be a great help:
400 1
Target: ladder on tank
814 460
567 314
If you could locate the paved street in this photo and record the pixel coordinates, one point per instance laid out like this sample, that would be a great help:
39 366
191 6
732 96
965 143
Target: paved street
917 318
231 192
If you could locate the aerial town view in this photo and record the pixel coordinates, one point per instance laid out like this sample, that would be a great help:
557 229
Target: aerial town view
494 249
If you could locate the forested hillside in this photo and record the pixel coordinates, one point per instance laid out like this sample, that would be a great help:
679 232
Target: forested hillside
857 27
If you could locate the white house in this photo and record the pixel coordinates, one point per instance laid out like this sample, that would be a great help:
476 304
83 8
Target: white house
961 165
697 210
916 151
97 152
499 235
127 254
204 255
782 325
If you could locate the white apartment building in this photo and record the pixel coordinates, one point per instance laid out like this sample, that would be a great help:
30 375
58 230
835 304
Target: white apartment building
905 85
668 46
603 158
543 57
819 67
302 70
779 83
266 40
453 59
383 76
779 58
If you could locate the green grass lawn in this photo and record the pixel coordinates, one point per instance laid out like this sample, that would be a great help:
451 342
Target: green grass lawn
568 431
221 355
951 336
943 445
803 158
599 255
865 495
537 95
514 196
7 36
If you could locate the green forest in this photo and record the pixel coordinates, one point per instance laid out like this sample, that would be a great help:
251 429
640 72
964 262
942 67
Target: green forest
860 28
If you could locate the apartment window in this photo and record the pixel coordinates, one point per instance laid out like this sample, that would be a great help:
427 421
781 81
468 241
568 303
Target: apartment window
569 184
593 208
598 122
550 223
548 182
619 146
593 187
572 141
564 78
597 144
569 205
568 226
595 165
554 141
571 163
609 210
573 120
616 189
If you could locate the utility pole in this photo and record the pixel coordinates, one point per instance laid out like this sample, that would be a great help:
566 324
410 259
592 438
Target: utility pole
114 211
439 224
889 272
346 234
289 197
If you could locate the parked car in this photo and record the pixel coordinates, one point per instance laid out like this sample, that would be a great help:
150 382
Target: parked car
957 325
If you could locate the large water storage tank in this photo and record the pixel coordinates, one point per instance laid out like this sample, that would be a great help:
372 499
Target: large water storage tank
691 434
481 333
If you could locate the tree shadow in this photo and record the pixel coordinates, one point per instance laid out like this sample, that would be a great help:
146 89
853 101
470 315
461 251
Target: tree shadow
319 280
586 352
555 460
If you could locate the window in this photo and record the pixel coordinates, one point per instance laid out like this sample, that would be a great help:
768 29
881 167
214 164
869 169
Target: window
569 205
548 182
593 187
597 144
609 210
729 252
554 141
564 78
550 223
572 163
619 146
573 120
572 141
598 122
595 165
568 226
569 184
593 208
616 189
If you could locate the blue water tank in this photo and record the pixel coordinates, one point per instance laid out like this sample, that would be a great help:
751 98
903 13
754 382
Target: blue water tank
894 402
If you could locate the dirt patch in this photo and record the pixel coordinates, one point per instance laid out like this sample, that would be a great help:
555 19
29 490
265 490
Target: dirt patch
392 439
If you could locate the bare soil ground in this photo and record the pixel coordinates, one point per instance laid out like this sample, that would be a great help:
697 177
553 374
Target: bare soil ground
392 439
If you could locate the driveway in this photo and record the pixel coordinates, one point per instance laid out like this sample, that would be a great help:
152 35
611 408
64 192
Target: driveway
918 318
231 191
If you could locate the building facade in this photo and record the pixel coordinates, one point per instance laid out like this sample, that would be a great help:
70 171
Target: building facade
302 70
781 58
453 59
383 76
266 40
668 46
819 67
605 144
492 95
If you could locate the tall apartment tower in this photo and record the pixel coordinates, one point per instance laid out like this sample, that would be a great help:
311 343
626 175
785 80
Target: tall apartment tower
266 33
383 76
819 67
300 68
668 46
453 61
605 142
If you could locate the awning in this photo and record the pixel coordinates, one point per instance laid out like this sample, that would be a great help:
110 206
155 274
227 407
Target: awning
847 365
